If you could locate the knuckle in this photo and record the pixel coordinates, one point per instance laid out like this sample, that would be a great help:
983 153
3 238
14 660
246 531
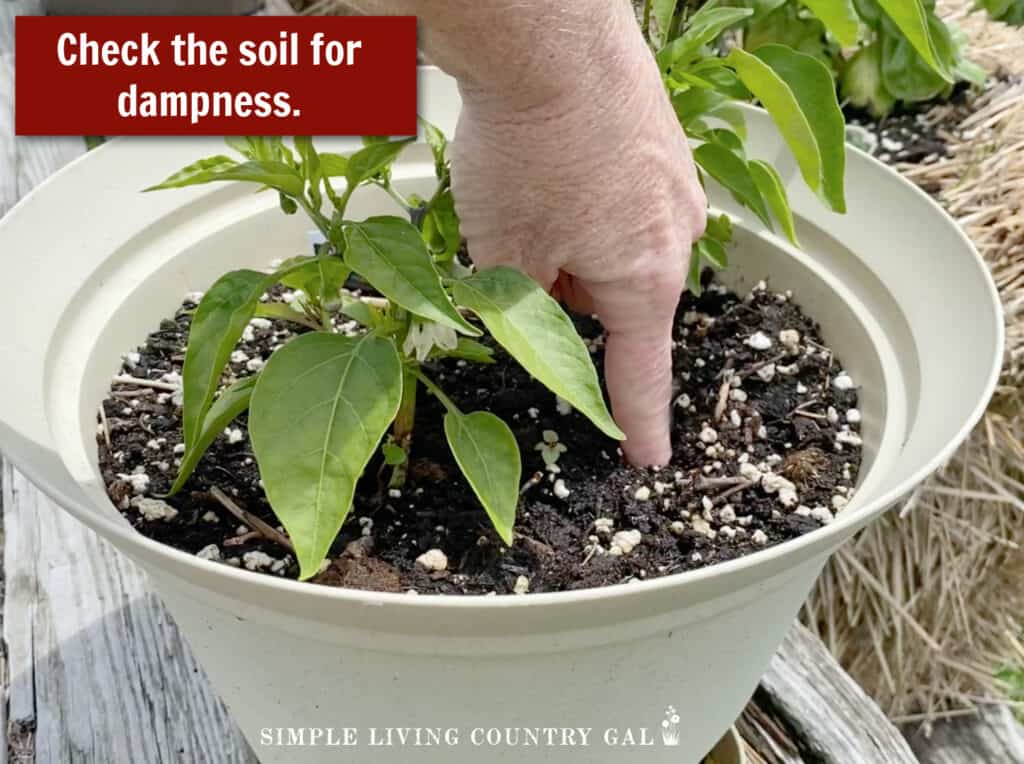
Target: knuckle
658 280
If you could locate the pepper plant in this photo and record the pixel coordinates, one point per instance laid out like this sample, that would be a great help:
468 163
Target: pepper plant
882 52
325 402
706 87
320 408
1008 11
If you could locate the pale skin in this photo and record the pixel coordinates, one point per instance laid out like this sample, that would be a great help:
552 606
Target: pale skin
568 163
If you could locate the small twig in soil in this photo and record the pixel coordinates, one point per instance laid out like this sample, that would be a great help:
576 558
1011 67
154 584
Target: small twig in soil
245 538
803 406
106 427
261 527
723 398
738 306
133 393
124 379
534 479
721 482
535 546
756 367
735 489
809 415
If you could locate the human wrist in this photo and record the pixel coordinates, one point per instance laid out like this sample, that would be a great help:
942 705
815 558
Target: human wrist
577 55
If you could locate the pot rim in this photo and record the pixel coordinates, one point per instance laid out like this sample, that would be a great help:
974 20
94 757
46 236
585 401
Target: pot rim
829 536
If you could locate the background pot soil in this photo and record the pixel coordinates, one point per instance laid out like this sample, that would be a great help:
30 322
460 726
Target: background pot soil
591 520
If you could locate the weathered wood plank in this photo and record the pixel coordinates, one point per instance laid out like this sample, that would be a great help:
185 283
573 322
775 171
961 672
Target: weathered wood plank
96 669
992 735
99 671
766 739
828 715
8 163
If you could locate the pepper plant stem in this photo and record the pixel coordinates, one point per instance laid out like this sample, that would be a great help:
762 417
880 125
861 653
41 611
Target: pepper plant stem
402 429
437 391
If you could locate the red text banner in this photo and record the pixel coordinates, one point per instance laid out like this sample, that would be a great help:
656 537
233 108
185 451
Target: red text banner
215 75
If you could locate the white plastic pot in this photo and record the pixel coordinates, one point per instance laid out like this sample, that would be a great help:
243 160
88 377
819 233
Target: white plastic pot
90 265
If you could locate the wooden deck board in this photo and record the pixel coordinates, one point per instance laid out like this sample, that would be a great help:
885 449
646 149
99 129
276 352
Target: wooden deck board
98 669
95 671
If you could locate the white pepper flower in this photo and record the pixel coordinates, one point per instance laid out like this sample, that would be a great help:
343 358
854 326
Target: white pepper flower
424 336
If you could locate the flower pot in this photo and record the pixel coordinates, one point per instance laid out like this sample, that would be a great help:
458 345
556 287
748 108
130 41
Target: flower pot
90 265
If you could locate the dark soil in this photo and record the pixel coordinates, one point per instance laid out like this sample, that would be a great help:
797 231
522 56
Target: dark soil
706 507
911 134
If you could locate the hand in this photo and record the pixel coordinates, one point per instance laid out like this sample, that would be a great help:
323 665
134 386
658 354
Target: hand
593 194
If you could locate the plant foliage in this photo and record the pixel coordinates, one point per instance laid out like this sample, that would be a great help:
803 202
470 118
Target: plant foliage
706 86
321 407
327 402
883 52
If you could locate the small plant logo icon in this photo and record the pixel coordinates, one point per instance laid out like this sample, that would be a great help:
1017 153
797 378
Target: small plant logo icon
670 727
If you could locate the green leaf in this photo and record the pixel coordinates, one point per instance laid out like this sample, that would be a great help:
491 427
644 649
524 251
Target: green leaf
321 278
861 84
219 320
273 174
200 171
358 310
791 26
713 252
869 11
662 12
800 95
278 311
912 18
388 252
333 165
693 104
1008 11
732 172
310 167
719 228
774 192
694 271
393 455
318 413
373 159
727 139
288 205
488 455
703 27
261 148
232 402
438 145
722 79
240 144
466 349
839 16
905 75
963 68
533 328
443 224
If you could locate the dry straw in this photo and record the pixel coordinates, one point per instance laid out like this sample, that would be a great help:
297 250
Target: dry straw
924 605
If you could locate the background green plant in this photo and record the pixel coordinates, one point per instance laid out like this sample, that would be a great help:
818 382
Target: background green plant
707 86
882 52
1007 11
